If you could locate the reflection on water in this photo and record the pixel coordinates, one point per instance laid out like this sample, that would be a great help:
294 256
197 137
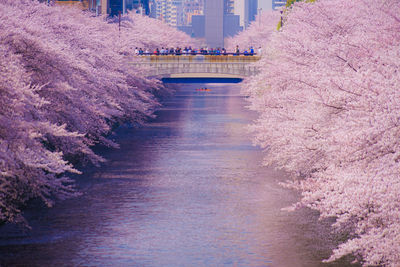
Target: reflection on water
187 189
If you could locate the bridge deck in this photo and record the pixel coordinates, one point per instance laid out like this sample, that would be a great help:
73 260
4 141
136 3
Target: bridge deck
198 66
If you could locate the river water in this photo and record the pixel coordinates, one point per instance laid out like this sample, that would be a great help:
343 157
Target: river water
186 189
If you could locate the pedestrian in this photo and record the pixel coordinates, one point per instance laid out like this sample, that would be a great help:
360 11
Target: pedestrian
237 51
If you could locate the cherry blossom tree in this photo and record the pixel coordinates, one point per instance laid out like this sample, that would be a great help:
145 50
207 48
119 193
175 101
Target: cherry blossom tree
65 82
158 34
328 97
257 34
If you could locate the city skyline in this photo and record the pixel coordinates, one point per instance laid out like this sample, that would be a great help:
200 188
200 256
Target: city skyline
193 17
179 12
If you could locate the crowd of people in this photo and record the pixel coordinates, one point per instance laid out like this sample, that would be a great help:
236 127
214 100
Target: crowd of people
192 51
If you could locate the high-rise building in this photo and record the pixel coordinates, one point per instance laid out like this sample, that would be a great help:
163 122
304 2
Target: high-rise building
276 4
146 6
114 7
163 10
251 10
229 7
239 10
231 21
214 22
209 19
192 8
220 21
247 10
170 11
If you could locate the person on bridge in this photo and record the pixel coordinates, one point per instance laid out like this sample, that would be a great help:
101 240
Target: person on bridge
237 51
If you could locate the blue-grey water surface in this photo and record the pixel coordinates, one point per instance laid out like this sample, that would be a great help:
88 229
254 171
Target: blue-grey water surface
187 189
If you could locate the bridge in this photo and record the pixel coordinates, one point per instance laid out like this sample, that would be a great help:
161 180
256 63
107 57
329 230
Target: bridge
197 68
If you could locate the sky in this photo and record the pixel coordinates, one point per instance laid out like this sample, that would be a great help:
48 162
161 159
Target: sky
265 4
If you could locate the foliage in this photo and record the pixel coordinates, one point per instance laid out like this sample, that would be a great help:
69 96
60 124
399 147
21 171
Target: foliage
65 81
286 11
291 2
328 97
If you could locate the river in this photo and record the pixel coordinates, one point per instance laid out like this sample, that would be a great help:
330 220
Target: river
186 189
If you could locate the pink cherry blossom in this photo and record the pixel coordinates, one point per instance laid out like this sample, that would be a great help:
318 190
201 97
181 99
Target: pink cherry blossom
65 80
328 97
257 34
